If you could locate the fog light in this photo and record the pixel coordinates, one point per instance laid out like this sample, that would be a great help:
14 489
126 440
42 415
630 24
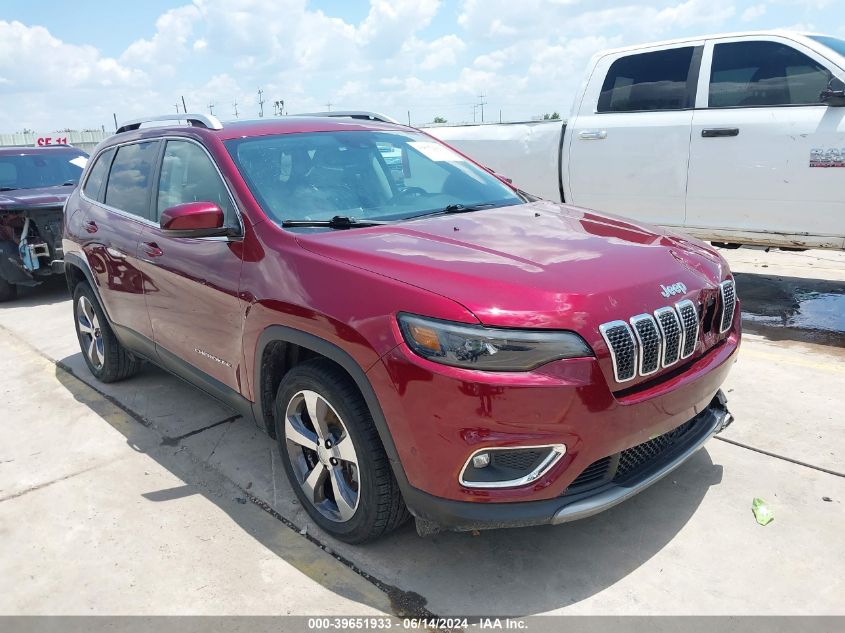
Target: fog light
481 460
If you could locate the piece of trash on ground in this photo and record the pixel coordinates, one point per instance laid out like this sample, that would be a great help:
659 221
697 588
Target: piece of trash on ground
762 512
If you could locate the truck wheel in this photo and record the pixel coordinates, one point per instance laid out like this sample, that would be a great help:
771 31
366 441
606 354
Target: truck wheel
107 359
333 455
7 291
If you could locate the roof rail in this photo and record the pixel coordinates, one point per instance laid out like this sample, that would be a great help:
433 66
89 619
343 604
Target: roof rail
354 114
196 120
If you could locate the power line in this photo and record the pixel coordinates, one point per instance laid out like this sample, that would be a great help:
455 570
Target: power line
482 103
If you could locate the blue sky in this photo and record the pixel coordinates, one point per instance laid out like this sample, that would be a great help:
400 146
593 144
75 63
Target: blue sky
73 64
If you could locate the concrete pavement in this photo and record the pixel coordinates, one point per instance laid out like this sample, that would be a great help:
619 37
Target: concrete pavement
127 499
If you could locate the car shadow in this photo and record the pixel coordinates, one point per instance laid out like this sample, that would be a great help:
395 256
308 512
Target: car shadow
52 290
793 308
512 572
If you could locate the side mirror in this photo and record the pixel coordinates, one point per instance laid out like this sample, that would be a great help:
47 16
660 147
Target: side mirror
834 94
193 219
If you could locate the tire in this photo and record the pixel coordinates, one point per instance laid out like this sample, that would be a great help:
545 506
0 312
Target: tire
107 359
8 291
351 492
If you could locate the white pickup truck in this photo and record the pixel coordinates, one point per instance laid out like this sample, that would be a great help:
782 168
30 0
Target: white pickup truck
734 138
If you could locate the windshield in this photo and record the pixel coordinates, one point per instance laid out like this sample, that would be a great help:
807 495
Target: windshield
366 175
834 43
35 170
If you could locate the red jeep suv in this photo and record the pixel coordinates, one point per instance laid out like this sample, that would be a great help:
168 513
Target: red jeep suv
420 337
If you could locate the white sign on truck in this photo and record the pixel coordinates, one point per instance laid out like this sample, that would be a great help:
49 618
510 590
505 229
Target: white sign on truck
723 137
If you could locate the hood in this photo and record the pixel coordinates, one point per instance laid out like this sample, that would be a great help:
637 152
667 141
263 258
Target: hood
28 198
540 264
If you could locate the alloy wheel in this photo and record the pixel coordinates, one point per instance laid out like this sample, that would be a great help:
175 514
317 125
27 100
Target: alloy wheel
322 455
90 334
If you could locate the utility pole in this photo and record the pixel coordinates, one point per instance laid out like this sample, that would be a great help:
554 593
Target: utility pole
184 107
260 103
481 104
114 114
177 107
409 118
235 106
474 108
500 115
329 106
211 109
279 107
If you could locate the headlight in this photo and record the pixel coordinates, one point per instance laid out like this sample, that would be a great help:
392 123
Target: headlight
490 349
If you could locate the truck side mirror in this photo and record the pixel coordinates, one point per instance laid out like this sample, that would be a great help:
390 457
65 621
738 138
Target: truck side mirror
834 94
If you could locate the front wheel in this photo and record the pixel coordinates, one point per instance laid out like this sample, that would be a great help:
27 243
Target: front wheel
333 456
107 359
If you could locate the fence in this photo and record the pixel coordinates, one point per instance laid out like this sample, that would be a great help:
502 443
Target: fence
84 140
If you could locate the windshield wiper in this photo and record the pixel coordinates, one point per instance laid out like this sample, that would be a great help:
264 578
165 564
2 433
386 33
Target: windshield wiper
8 188
455 208
67 183
337 222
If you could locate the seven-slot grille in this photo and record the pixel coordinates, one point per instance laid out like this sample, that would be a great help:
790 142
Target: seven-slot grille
623 349
651 342
670 329
689 326
728 295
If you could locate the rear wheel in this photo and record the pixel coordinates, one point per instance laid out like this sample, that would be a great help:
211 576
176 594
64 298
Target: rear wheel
107 359
8 291
333 456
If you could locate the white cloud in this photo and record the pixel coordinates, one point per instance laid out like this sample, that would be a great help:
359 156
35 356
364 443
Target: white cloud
31 59
527 56
168 44
443 51
753 12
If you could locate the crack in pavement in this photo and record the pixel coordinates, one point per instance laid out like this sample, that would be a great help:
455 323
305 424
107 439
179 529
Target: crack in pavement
782 457
174 441
46 484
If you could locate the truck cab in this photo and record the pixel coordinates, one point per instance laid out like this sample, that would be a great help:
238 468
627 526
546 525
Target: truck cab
727 136
735 138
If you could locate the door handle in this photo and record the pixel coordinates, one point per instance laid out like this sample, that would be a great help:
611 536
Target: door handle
91 226
717 132
152 249
592 135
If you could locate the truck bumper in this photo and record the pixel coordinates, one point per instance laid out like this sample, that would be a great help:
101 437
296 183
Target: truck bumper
463 515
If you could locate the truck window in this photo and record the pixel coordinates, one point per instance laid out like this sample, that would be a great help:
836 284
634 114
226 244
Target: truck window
753 74
94 183
659 80
128 185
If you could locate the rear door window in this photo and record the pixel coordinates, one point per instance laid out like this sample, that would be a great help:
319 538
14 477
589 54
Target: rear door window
96 177
753 74
128 187
660 80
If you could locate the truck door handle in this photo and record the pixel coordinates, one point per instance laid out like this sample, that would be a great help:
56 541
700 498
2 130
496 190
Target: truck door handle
592 135
716 132
91 226
152 249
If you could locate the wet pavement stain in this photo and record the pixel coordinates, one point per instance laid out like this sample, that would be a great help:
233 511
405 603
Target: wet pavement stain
792 308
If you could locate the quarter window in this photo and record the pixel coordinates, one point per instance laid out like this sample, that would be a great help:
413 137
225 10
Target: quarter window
188 175
97 175
129 179
659 80
748 74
